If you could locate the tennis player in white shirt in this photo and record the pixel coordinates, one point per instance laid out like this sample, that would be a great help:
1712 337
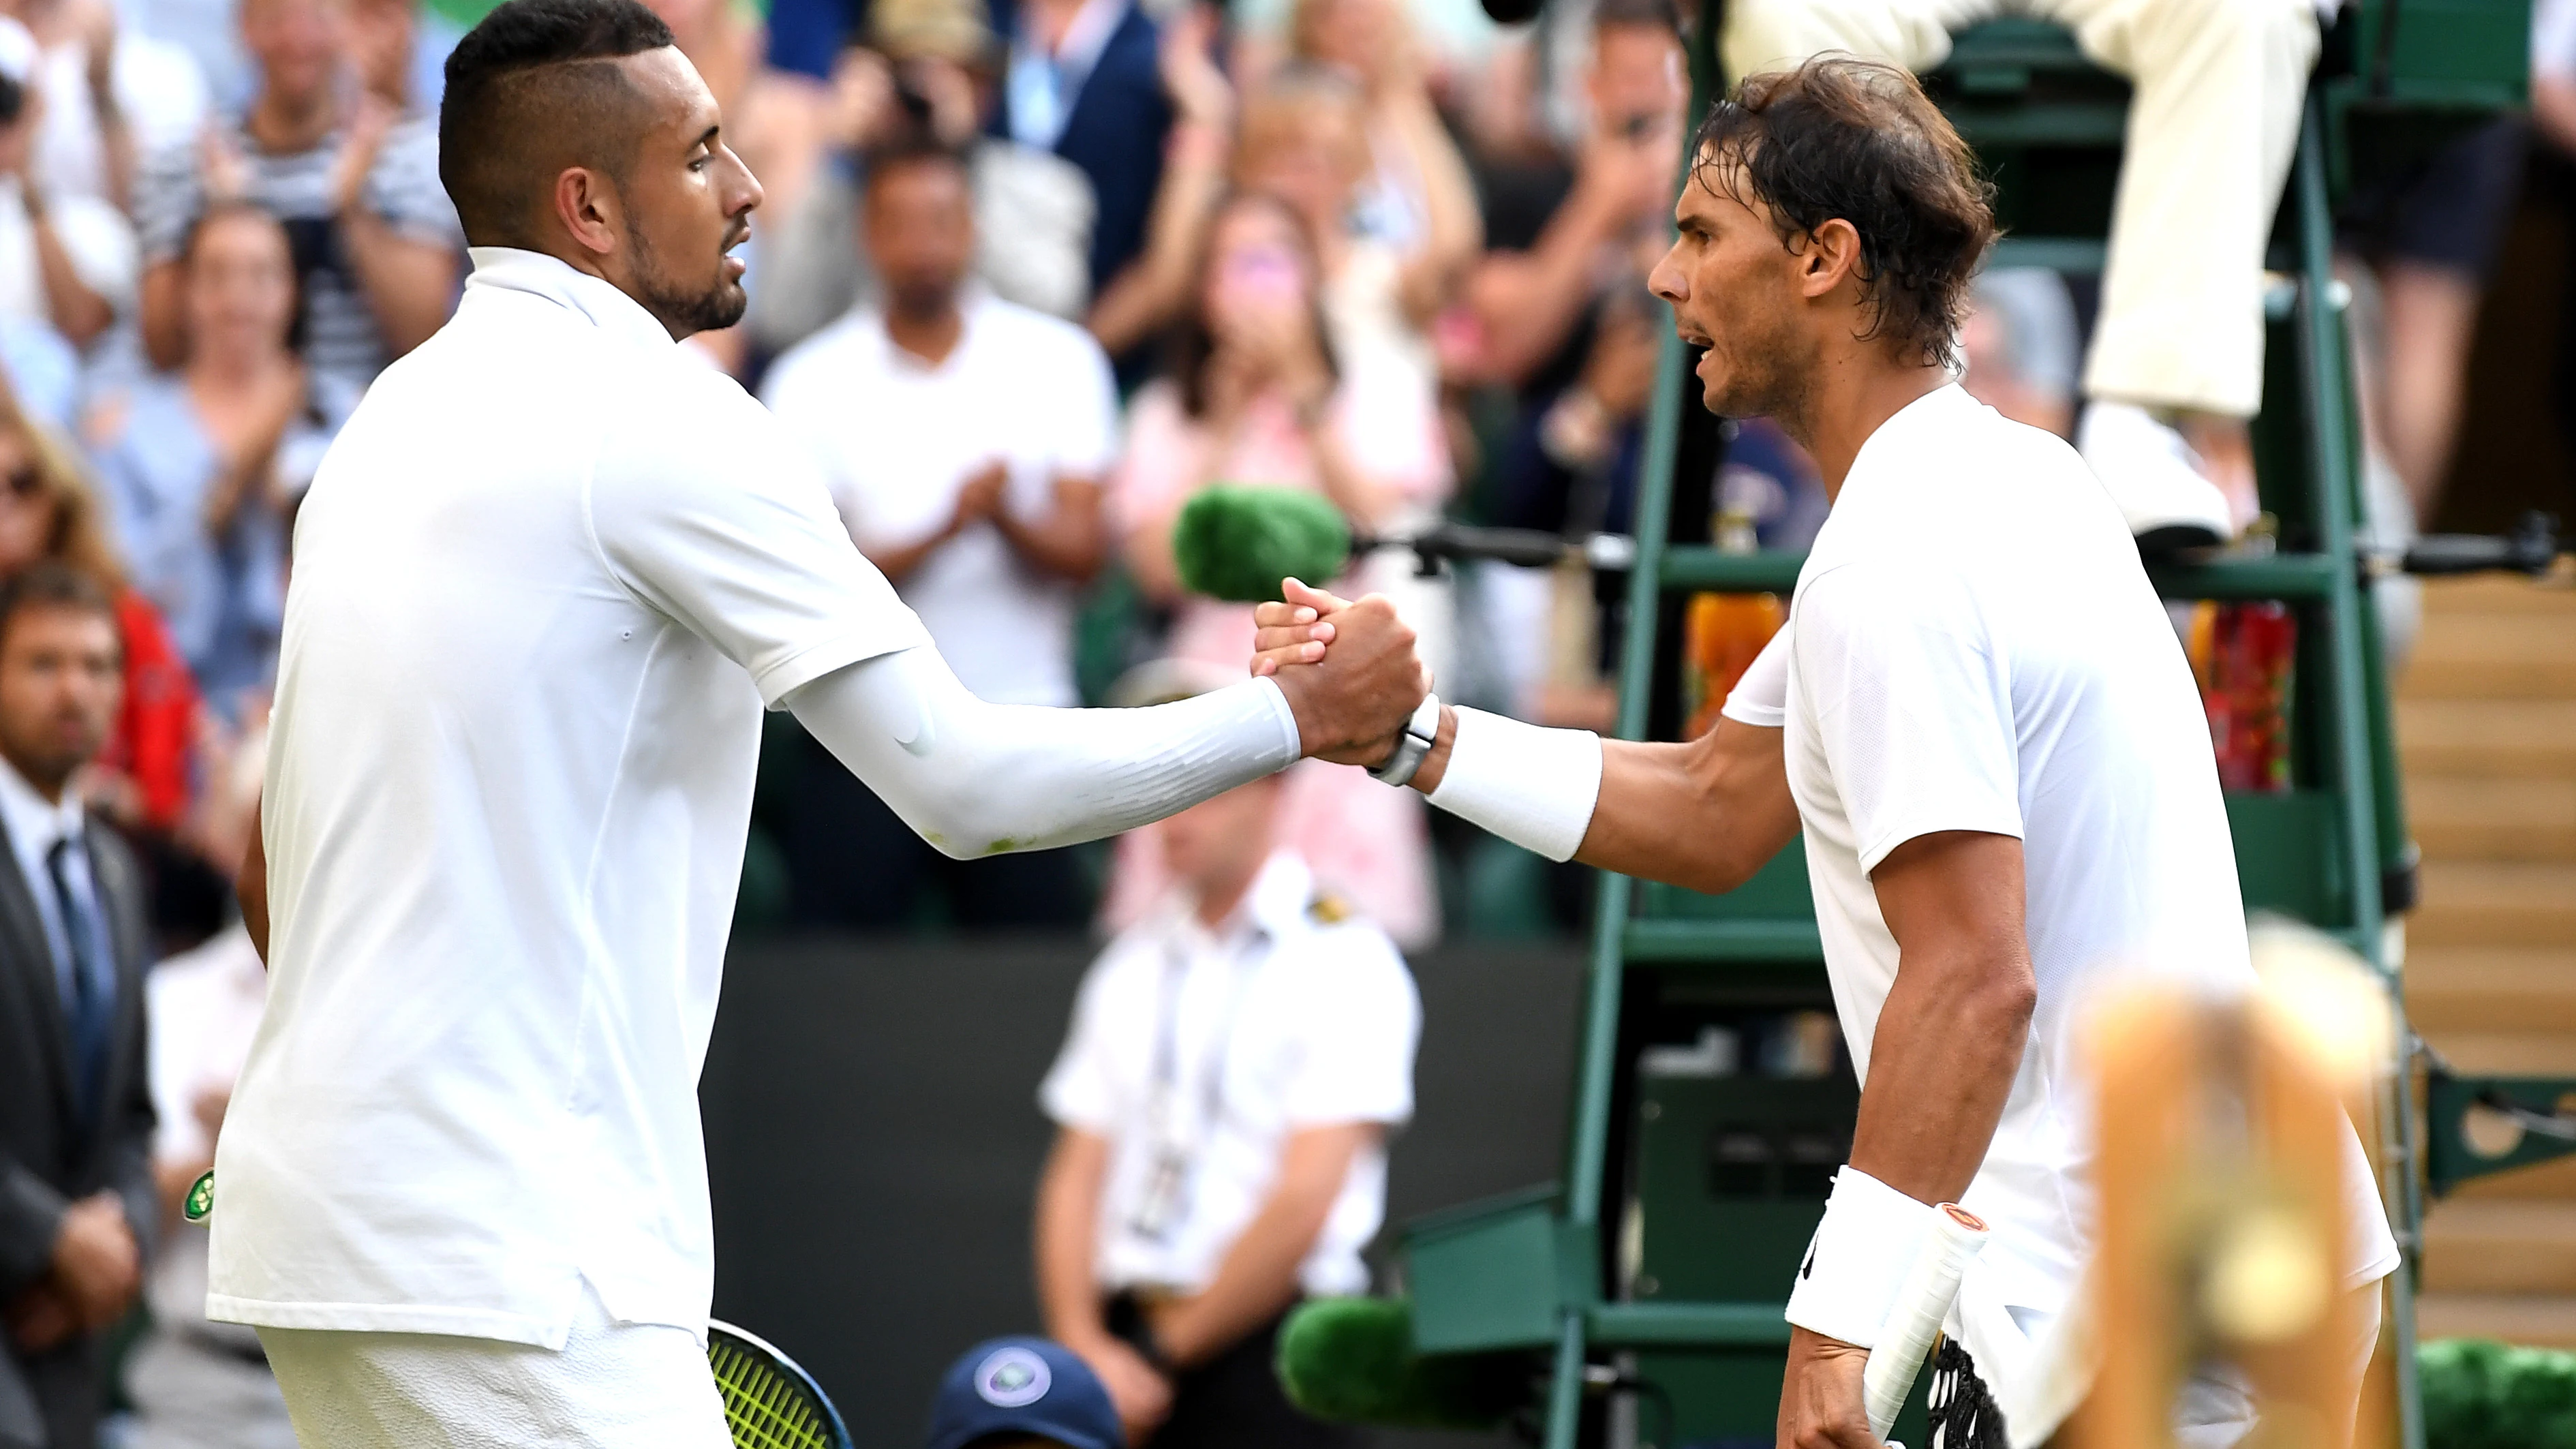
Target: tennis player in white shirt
546 581
1978 712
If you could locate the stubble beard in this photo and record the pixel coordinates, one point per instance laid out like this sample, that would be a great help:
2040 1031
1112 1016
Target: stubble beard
685 308
1769 375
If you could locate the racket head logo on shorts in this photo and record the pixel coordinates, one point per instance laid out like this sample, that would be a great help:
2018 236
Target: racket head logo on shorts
1012 1378
770 1402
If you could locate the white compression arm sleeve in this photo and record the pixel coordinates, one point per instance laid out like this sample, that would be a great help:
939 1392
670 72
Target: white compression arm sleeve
979 779
1534 787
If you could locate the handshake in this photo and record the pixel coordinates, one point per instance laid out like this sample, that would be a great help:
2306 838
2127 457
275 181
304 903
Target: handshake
1349 672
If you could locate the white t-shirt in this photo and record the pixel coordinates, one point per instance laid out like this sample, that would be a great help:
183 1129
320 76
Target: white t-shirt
1291 1015
545 581
897 438
1973 645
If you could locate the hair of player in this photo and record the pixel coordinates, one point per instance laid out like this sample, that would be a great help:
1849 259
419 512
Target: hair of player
534 82
1855 139
54 584
911 145
1663 15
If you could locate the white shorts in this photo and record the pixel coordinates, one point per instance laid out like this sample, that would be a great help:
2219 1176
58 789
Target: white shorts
612 1386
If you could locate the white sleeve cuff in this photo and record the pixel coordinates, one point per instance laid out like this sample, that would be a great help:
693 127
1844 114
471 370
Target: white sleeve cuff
1534 787
1287 717
1858 1262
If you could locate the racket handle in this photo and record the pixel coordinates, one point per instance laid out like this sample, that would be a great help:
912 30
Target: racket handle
1914 1322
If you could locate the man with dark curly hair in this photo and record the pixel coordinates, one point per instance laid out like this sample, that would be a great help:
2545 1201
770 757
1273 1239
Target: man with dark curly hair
1978 714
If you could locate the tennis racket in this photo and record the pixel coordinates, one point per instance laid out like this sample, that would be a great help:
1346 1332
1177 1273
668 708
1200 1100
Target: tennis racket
1914 1323
769 1402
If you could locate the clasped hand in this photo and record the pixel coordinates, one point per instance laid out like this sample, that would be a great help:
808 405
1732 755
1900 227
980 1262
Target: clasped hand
1350 710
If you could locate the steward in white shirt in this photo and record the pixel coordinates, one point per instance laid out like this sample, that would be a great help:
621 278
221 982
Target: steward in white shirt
1222 1102
1980 716
546 581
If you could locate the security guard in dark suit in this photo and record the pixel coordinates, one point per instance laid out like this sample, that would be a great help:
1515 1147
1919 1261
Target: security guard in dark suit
76 1192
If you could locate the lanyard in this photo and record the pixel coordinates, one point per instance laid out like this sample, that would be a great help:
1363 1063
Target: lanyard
1163 1202
1162 1100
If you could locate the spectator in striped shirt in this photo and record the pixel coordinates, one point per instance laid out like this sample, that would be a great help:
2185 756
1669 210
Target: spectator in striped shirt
355 181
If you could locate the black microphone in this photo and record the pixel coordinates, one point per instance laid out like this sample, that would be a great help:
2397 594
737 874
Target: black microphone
1513 12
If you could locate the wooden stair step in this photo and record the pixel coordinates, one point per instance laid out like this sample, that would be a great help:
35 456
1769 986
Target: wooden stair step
2480 737
2496 903
2507 1053
2556 1179
2492 989
2466 818
2538 1320
2503 1246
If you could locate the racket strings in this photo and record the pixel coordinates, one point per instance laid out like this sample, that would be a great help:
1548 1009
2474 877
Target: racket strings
764 1408
1963 1412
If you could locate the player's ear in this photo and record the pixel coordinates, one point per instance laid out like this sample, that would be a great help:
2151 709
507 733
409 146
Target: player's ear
1832 254
586 205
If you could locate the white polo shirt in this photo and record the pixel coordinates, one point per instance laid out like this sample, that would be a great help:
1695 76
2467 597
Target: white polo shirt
1973 645
897 438
1292 1014
545 581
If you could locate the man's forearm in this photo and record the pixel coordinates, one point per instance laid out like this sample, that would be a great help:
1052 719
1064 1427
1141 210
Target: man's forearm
1704 815
79 313
1069 542
1258 1278
407 283
979 779
1068 1213
1940 1068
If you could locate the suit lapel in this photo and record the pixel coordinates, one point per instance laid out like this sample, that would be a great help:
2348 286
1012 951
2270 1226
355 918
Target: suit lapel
22 940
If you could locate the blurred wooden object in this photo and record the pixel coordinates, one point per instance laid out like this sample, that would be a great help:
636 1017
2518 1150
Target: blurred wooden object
2223 1214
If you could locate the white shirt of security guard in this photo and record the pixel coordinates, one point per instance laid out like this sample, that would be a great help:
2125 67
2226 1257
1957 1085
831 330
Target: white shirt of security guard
1288 1015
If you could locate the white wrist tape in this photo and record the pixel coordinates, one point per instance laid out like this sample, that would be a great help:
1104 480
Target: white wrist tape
1533 787
1858 1262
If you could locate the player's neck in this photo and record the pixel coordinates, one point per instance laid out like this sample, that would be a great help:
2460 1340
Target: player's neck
1854 397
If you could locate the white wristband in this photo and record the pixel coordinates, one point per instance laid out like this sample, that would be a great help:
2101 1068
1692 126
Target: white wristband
1859 1260
1533 787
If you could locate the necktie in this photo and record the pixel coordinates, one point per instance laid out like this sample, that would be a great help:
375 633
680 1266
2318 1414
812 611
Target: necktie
92 986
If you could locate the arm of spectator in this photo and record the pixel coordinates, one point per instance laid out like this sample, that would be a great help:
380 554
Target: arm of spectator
165 337
1530 302
1069 1293
77 312
1070 541
1258 1277
1454 229
408 282
246 467
117 151
1142 297
978 500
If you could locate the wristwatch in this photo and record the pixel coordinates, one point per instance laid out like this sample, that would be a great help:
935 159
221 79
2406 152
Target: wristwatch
1412 746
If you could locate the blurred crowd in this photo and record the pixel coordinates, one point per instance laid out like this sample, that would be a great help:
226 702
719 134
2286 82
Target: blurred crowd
1026 278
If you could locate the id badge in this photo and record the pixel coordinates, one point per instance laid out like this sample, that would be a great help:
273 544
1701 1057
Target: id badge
1158 1210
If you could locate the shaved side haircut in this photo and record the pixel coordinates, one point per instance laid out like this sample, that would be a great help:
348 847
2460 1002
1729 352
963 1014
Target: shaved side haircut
531 90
